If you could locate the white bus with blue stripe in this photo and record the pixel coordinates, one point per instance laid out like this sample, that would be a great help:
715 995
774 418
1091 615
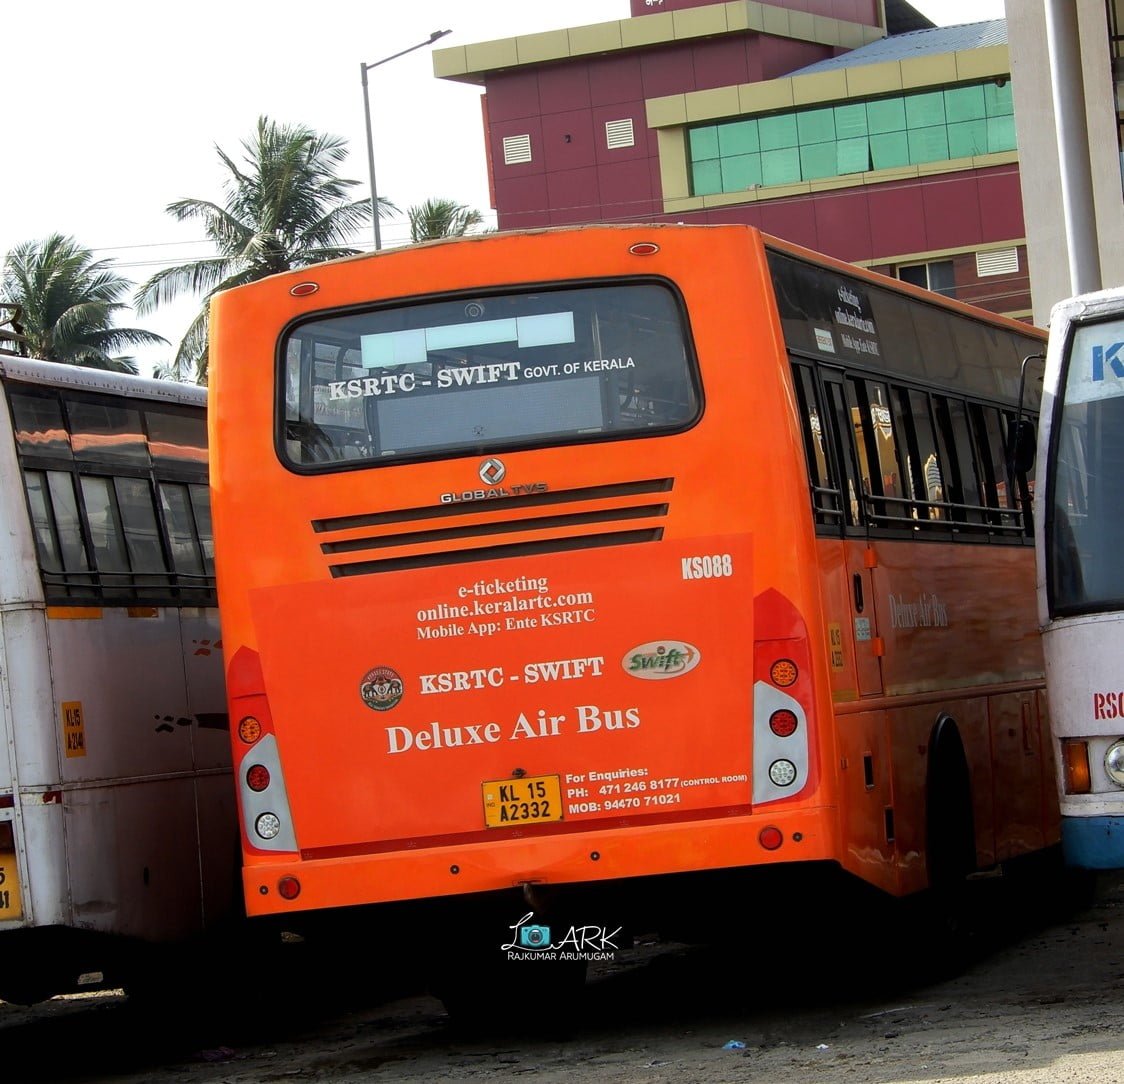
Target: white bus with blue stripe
1079 517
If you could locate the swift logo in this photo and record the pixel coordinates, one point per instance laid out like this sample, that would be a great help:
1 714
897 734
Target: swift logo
661 659
1109 354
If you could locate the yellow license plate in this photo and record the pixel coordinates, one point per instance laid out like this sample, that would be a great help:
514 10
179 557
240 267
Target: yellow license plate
10 906
533 800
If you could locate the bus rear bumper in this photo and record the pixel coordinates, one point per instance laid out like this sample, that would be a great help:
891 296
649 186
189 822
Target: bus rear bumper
1093 842
577 857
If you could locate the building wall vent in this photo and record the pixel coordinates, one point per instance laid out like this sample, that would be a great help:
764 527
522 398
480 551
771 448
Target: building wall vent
1004 261
618 133
516 149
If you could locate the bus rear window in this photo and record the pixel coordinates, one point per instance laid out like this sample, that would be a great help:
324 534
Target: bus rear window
479 374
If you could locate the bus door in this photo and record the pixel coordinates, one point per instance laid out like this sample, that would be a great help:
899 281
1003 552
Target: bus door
858 559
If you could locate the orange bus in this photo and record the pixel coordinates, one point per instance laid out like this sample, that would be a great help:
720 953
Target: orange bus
554 562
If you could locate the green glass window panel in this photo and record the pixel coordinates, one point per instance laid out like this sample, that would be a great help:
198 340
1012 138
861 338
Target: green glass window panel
817 161
741 171
852 155
850 120
967 139
704 143
780 166
997 100
815 126
1000 134
889 150
964 103
924 110
777 132
706 178
928 144
738 138
885 115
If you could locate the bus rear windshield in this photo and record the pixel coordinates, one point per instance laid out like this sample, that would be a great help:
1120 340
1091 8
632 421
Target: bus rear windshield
484 373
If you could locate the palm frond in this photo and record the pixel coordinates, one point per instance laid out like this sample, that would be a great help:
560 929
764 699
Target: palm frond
198 277
438 218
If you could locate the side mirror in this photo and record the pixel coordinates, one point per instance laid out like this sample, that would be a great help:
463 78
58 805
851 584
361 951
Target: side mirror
1023 446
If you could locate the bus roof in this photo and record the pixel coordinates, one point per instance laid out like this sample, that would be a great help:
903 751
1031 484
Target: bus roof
56 375
769 241
1093 305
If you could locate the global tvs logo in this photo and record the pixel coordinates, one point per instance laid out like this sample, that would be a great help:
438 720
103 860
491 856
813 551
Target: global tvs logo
381 688
492 472
661 659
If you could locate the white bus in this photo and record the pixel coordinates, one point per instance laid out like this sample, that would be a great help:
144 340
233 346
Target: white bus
117 818
1079 517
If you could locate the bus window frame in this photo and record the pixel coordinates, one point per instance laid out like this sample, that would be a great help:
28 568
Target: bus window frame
987 529
93 586
281 423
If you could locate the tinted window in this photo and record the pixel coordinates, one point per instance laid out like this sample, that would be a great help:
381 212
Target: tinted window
107 432
549 367
177 437
40 428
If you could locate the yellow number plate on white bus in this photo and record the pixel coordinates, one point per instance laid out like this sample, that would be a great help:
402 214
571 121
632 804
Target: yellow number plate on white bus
533 800
10 906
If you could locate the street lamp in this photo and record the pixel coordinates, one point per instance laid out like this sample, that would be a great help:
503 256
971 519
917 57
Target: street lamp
363 69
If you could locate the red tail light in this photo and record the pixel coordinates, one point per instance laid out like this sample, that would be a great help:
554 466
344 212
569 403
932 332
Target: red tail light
783 723
257 777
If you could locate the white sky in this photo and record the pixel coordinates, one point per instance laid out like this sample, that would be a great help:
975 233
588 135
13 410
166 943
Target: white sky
113 109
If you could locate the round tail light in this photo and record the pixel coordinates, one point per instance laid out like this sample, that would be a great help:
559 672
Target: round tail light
257 778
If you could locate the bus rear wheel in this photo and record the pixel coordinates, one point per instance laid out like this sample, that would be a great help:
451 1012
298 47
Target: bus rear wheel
950 854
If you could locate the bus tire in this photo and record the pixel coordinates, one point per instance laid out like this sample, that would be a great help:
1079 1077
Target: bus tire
950 851
949 822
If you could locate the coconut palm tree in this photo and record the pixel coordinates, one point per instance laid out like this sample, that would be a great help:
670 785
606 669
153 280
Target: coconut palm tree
284 208
437 218
68 302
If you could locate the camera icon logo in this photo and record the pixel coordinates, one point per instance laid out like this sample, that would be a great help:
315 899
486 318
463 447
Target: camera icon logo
534 937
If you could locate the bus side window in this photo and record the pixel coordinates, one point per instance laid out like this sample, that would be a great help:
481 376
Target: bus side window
935 489
58 537
1022 481
106 534
179 519
842 438
913 475
201 505
142 536
122 522
991 451
827 500
962 486
40 428
877 447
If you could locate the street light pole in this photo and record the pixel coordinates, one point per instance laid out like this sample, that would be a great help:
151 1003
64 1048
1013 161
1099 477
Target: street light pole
363 69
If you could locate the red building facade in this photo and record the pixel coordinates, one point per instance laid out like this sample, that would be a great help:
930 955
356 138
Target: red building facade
810 119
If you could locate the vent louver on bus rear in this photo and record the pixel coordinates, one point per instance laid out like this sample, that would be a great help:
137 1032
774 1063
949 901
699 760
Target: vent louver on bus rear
441 536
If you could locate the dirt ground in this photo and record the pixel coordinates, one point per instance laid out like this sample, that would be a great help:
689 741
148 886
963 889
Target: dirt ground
1042 1002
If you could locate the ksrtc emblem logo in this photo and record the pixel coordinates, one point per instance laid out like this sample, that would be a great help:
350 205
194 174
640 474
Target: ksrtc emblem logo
381 688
